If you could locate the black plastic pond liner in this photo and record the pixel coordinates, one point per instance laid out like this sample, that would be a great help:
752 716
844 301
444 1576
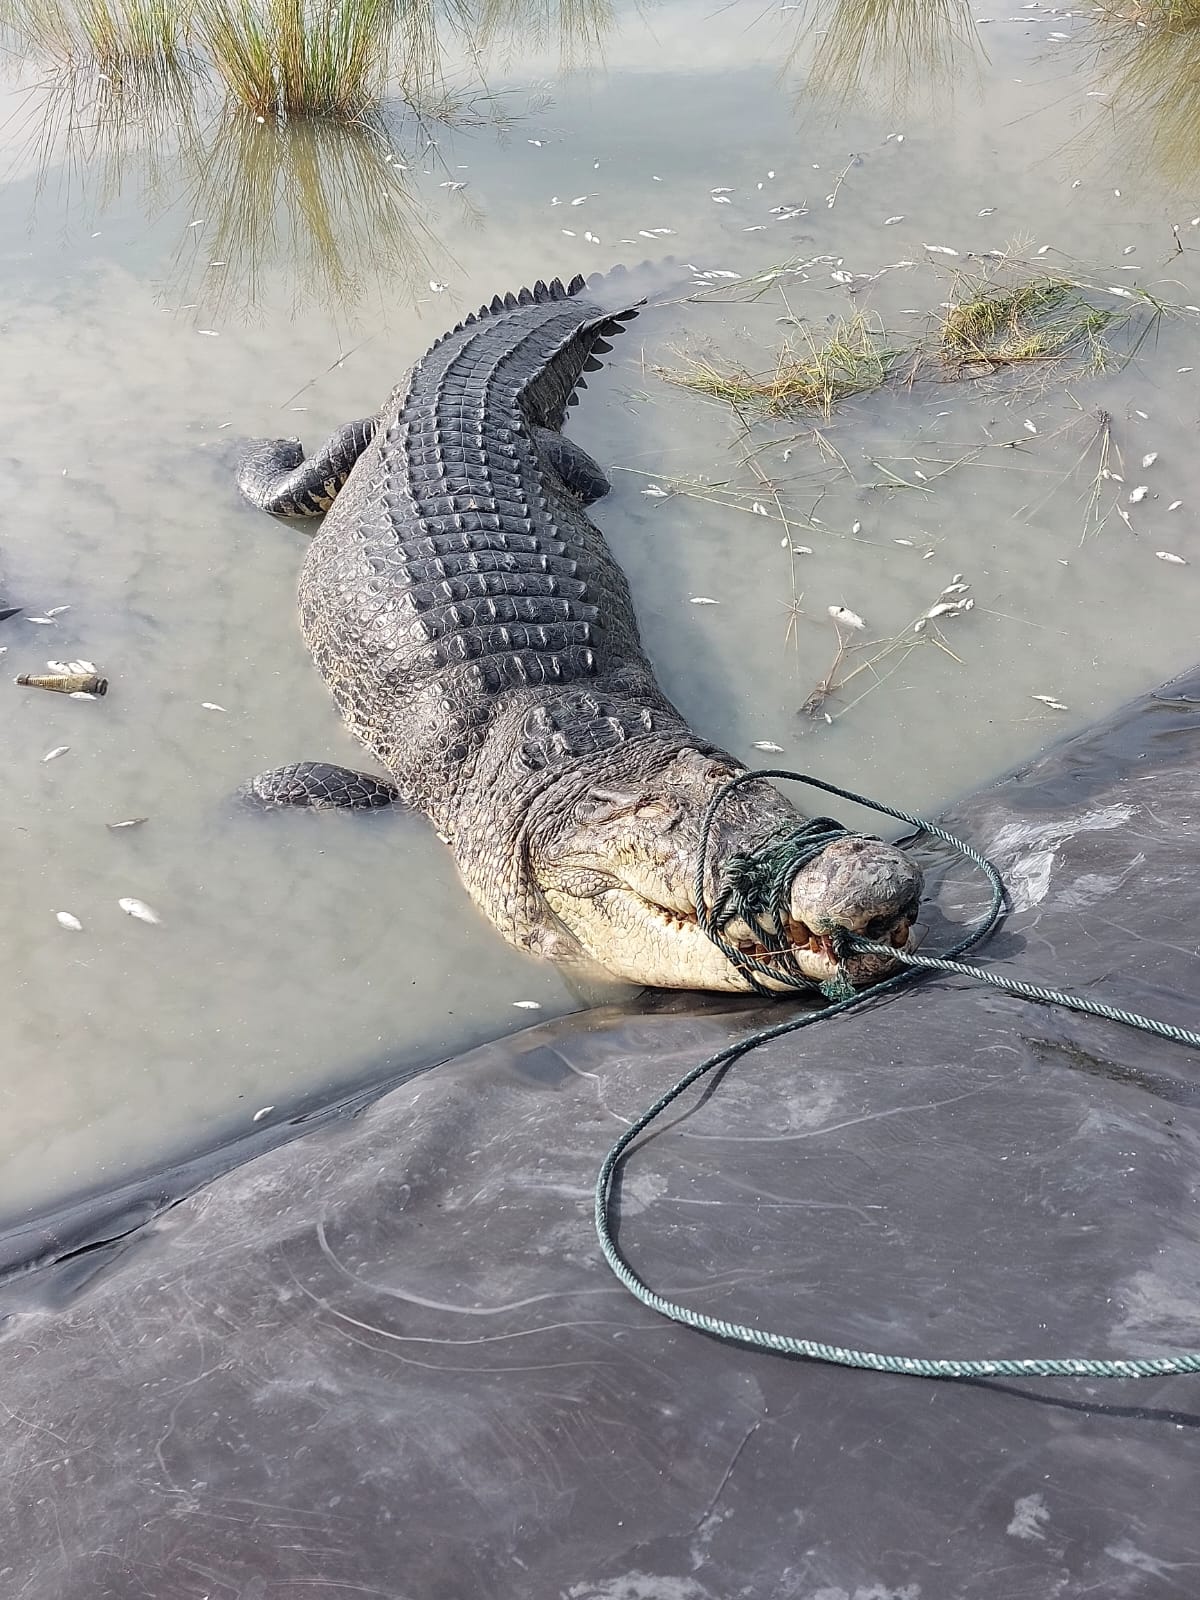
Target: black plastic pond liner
387 1359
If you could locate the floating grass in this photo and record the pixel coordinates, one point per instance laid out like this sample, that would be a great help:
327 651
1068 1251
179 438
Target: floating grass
851 358
1026 319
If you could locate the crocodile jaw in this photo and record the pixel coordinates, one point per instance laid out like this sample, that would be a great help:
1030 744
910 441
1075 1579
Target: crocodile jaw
856 885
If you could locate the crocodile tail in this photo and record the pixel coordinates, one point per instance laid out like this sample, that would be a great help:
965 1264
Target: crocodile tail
613 298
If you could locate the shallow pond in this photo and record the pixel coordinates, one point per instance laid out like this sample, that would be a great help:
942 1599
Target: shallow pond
172 282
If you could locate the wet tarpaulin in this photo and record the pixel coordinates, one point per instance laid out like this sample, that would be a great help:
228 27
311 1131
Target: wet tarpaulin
388 1360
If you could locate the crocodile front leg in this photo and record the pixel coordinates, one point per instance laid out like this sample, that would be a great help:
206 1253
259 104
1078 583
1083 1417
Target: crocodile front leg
320 786
275 476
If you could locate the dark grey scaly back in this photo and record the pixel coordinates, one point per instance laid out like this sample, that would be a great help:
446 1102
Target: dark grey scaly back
457 583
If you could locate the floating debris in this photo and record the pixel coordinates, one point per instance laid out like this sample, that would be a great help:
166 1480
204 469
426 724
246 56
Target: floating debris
1049 700
850 619
766 744
66 920
654 492
851 357
65 682
138 909
1149 460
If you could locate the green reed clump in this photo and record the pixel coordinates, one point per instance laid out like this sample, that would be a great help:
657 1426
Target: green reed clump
852 358
111 35
307 58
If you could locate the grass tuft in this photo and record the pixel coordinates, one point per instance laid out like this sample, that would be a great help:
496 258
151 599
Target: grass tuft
300 58
114 36
853 358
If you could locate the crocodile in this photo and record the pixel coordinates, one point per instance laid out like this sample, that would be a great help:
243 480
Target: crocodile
480 639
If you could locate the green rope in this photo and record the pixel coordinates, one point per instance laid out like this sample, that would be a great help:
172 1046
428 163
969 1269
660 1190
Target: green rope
754 888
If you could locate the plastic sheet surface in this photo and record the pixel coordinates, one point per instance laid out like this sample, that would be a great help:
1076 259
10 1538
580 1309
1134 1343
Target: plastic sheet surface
387 1359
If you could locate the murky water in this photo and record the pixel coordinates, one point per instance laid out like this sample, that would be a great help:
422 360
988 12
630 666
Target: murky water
171 285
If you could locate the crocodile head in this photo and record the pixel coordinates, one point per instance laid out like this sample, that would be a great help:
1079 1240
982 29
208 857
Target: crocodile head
616 868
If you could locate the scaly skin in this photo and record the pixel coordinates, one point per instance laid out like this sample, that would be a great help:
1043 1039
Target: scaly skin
480 639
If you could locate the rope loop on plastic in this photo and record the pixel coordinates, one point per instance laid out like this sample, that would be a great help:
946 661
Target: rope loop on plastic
753 889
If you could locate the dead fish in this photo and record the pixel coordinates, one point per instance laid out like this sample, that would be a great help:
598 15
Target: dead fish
844 615
138 908
53 755
66 920
127 822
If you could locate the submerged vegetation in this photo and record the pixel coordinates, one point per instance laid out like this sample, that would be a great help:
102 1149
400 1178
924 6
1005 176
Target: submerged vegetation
1013 315
851 358
1030 319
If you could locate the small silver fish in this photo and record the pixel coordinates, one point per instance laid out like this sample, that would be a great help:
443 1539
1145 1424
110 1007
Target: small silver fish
138 908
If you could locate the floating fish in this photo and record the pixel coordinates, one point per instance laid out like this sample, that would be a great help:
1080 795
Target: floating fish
66 920
844 615
53 755
138 909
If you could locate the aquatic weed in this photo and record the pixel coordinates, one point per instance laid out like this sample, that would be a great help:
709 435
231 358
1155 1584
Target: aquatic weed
1026 319
852 358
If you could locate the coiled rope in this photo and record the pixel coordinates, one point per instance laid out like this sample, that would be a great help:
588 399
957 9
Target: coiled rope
754 889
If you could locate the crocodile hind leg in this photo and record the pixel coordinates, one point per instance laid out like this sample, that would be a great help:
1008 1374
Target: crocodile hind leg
320 786
275 475
574 466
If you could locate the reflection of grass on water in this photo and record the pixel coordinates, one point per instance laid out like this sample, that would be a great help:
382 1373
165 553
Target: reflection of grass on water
903 42
318 196
852 358
1149 51
1029 319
